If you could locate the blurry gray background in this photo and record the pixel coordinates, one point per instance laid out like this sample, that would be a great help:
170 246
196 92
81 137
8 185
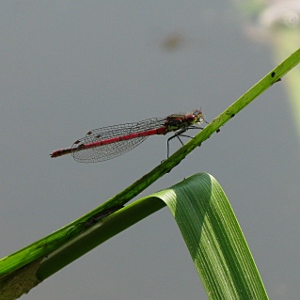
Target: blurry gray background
69 67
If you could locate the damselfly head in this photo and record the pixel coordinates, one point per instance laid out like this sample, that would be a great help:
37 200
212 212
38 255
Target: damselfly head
198 116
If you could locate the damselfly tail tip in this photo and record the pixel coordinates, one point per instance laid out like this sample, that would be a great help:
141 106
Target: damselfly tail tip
53 154
61 152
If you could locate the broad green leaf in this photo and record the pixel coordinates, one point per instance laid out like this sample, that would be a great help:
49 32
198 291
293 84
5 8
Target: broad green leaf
208 226
214 239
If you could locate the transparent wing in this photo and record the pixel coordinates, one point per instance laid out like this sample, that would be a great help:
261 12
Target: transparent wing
114 149
106 152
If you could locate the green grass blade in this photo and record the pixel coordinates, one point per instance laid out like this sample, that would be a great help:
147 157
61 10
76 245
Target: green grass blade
50 254
214 239
207 223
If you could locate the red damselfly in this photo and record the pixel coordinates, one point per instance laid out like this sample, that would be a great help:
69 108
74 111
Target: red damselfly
111 141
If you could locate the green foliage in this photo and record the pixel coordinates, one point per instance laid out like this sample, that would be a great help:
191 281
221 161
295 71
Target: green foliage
204 216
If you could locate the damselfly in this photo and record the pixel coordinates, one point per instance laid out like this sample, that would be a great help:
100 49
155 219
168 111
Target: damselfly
109 142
